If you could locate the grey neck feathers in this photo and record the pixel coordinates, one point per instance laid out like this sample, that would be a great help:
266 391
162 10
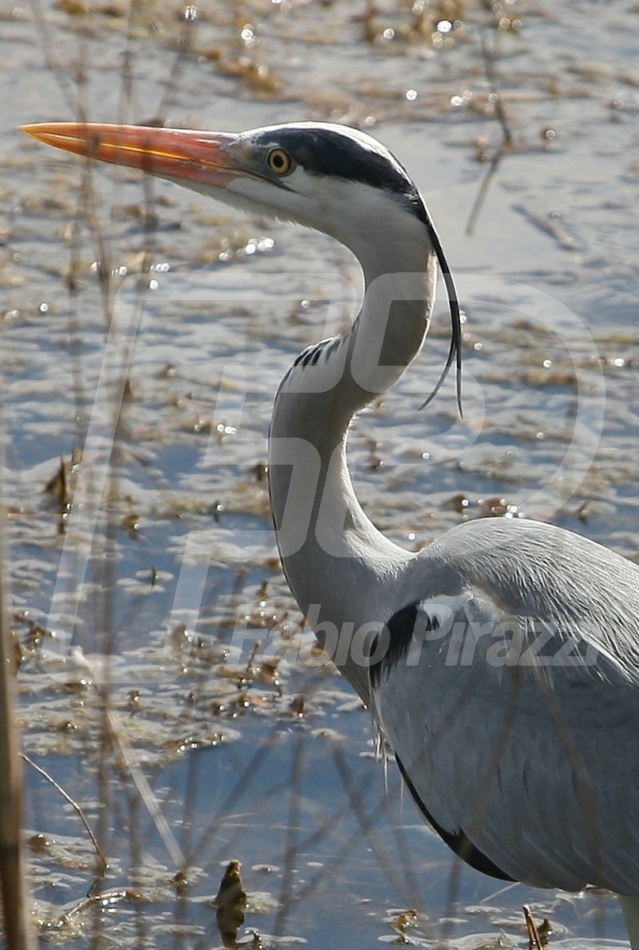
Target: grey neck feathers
332 554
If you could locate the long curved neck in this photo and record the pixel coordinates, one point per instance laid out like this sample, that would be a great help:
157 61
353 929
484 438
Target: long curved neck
341 569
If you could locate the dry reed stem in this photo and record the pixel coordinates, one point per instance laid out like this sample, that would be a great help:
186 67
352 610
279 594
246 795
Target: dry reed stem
15 902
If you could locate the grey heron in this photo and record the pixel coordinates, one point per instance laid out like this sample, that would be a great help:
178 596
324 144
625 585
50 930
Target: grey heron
501 663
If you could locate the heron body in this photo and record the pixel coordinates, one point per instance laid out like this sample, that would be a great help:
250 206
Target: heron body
502 662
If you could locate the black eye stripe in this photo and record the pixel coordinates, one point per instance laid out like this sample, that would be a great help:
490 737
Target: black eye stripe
331 153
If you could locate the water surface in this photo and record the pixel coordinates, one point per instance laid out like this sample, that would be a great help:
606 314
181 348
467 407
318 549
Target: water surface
172 541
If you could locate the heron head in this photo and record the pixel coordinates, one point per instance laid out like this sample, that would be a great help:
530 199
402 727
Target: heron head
328 177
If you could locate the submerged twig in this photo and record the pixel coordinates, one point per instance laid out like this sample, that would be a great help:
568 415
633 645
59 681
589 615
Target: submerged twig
473 217
105 899
74 805
488 55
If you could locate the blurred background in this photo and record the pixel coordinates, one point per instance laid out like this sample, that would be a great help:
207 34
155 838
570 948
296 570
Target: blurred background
144 331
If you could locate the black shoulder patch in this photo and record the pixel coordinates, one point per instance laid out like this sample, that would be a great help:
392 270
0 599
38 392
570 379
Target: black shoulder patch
402 627
457 841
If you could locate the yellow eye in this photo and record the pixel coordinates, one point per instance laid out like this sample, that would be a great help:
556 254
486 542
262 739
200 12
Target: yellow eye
279 161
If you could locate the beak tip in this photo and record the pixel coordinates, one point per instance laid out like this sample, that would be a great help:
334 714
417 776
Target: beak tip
33 129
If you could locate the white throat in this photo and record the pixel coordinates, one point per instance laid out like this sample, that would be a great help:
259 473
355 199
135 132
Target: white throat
333 556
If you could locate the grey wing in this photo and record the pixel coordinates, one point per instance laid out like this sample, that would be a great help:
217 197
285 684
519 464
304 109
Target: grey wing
519 741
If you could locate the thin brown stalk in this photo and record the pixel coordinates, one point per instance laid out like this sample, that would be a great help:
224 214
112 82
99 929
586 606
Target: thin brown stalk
15 902
534 940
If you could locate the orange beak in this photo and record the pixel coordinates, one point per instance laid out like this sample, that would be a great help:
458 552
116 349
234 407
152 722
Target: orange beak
196 157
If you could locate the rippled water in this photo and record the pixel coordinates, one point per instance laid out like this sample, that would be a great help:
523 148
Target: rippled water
175 533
